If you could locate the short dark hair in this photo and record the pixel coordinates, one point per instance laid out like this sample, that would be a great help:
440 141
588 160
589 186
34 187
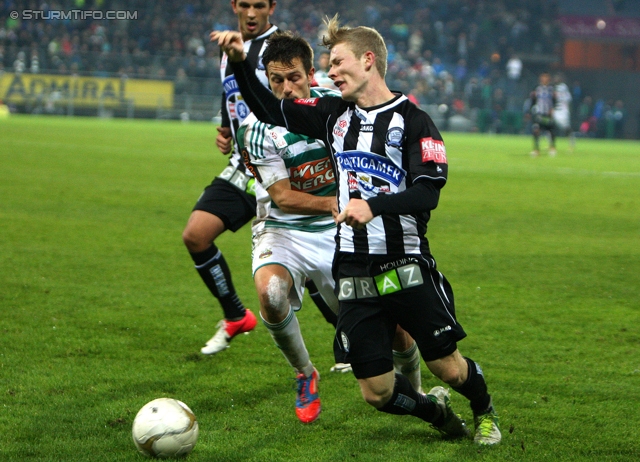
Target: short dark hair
270 2
284 47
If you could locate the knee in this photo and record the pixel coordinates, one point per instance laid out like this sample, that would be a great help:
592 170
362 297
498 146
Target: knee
377 400
274 298
453 375
189 239
377 395
194 240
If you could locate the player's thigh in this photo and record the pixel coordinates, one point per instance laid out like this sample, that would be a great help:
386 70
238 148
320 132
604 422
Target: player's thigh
364 337
319 253
202 229
232 205
273 246
427 313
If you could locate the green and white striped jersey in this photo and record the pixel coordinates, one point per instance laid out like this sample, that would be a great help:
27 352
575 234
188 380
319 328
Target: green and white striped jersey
274 154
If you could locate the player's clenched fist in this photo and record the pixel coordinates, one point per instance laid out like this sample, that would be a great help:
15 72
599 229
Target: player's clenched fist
356 214
231 43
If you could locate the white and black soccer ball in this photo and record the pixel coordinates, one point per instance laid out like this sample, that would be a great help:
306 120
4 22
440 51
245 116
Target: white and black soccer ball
164 428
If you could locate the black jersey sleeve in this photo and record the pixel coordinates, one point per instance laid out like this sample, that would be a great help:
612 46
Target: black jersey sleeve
304 116
311 116
427 155
261 101
225 121
420 197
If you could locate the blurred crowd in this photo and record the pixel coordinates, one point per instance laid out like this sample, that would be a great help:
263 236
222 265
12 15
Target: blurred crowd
465 56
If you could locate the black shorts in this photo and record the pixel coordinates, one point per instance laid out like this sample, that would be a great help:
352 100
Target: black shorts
414 295
232 205
543 122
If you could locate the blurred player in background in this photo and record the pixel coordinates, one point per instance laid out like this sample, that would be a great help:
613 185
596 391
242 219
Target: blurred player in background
390 165
543 101
562 110
322 73
294 231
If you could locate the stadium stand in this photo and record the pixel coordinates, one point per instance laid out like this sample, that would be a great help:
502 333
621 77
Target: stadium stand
452 56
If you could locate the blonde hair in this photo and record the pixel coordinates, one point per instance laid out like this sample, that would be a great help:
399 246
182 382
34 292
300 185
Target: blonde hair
359 40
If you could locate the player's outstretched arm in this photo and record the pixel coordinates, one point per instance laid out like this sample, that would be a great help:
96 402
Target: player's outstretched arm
261 101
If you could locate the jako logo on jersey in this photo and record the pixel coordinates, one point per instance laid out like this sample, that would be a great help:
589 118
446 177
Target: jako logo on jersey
433 150
366 128
311 176
395 137
306 101
370 164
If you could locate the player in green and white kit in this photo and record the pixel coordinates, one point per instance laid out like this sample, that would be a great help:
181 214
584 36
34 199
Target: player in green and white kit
303 243
294 231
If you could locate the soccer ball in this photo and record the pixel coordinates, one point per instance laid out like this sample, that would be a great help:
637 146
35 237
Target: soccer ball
165 428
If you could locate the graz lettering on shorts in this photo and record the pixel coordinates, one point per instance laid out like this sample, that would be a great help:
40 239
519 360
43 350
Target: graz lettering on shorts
238 179
371 164
386 283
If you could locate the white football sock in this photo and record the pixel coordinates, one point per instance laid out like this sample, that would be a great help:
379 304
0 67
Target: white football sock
407 363
288 339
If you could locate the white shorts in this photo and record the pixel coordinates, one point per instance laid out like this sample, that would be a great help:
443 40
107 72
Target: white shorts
304 255
562 119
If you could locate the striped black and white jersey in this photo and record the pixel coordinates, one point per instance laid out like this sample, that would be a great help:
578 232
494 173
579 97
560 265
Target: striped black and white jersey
380 150
544 100
234 109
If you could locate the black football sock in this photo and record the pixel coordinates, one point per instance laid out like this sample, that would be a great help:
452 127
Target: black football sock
215 273
328 314
405 400
475 389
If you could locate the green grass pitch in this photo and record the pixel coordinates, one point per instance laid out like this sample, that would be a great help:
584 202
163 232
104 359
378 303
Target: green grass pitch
102 311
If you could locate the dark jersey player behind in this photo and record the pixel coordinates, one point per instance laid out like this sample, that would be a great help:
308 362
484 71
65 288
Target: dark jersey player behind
229 202
390 164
